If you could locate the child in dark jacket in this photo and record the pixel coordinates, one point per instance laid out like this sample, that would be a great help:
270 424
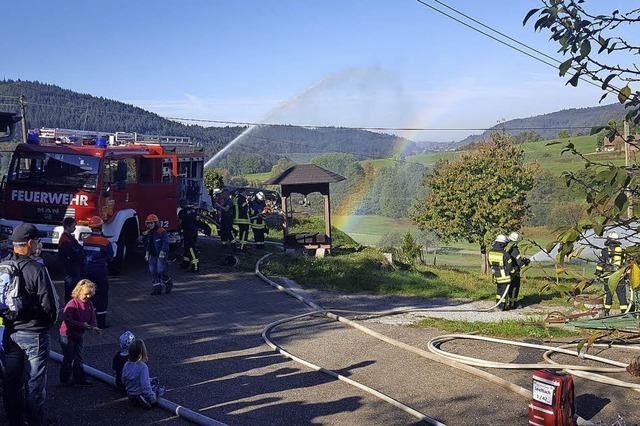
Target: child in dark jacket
78 316
141 389
121 357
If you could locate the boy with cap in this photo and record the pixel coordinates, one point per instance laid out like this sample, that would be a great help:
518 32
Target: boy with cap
120 359
26 337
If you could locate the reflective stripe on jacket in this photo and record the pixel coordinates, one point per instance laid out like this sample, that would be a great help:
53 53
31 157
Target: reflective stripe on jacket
500 264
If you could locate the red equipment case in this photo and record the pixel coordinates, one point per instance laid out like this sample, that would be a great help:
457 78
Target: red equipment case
553 399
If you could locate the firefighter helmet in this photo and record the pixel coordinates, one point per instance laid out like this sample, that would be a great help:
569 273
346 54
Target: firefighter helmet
613 235
95 222
501 238
151 218
514 236
260 195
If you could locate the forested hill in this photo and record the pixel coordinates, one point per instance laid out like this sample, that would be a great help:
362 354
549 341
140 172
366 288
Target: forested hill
52 106
566 118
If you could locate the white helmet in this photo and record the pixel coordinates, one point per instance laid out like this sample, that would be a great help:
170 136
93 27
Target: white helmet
501 238
260 195
613 235
514 236
216 191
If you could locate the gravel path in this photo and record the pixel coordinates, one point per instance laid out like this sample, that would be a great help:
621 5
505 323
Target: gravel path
456 309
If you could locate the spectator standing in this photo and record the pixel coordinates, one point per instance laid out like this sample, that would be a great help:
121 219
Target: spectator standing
79 315
97 255
157 248
26 338
71 257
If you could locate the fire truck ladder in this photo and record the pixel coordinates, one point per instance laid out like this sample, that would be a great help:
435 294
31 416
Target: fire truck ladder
76 137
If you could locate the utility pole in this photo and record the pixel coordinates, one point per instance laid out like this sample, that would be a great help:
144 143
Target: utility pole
24 119
625 135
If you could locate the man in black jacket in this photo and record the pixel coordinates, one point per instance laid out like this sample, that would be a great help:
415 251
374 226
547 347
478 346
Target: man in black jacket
26 338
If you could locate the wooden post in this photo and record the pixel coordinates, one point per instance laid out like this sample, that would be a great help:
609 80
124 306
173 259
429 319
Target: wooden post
327 216
285 210
626 164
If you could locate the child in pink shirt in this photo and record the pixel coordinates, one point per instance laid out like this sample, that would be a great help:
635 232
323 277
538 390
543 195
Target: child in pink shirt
79 315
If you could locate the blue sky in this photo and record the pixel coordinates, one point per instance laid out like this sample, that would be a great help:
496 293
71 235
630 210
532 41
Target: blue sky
351 62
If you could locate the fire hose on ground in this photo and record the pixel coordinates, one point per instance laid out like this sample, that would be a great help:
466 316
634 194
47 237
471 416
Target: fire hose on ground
435 353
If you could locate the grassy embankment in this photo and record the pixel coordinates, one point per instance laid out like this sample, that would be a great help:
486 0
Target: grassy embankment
507 328
354 269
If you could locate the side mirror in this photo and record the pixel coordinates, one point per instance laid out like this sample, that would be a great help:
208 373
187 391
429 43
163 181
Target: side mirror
7 124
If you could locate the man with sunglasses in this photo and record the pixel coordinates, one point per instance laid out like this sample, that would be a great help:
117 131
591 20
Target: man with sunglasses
26 337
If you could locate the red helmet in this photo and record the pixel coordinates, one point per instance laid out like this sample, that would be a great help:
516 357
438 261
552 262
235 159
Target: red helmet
95 222
152 218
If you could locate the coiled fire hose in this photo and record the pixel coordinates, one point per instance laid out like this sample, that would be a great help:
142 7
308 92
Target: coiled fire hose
460 362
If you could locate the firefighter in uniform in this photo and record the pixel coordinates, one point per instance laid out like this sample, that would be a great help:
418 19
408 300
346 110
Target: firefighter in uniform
518 262
97 255
224 206
189 226
241 218
501 267
258 225
612 259
156 251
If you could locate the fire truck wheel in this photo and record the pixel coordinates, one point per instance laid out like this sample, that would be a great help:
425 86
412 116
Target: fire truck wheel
126 247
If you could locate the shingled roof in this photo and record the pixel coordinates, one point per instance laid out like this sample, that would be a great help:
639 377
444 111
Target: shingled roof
303 174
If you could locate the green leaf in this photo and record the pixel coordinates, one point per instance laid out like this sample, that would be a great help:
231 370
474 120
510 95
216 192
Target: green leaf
606 81
529 15
574 80
550 246
565 66
624 94
621 201
585 48
615 278
596 129
602 97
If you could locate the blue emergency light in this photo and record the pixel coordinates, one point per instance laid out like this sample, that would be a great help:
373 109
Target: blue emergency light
101 142
33 138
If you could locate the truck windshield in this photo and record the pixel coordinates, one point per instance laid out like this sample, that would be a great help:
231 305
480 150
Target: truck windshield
53 168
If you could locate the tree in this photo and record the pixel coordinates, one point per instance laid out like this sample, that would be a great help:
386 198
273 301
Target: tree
282 165
564 133
482 193
213 179
597 52
411 250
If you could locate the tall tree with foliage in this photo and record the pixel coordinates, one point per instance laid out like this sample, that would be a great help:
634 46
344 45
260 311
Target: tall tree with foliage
213 178
596 51
480 194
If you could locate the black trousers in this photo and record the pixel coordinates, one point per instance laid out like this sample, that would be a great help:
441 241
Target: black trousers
71 367
190 252
621 292
101 298
514 290
243 234
226 234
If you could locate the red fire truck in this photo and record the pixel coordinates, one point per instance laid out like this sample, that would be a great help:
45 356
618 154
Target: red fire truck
121 177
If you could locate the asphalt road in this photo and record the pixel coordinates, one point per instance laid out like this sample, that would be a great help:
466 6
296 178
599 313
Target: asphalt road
205 346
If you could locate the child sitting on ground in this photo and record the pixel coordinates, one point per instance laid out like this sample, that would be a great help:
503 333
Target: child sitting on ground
142 391
78 316
120 359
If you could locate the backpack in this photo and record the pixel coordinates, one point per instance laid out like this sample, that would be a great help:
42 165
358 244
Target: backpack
11 301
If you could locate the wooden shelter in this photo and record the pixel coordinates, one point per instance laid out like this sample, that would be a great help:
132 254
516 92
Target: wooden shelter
305 179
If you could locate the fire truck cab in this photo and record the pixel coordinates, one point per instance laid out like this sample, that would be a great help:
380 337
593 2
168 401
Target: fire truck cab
121 177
